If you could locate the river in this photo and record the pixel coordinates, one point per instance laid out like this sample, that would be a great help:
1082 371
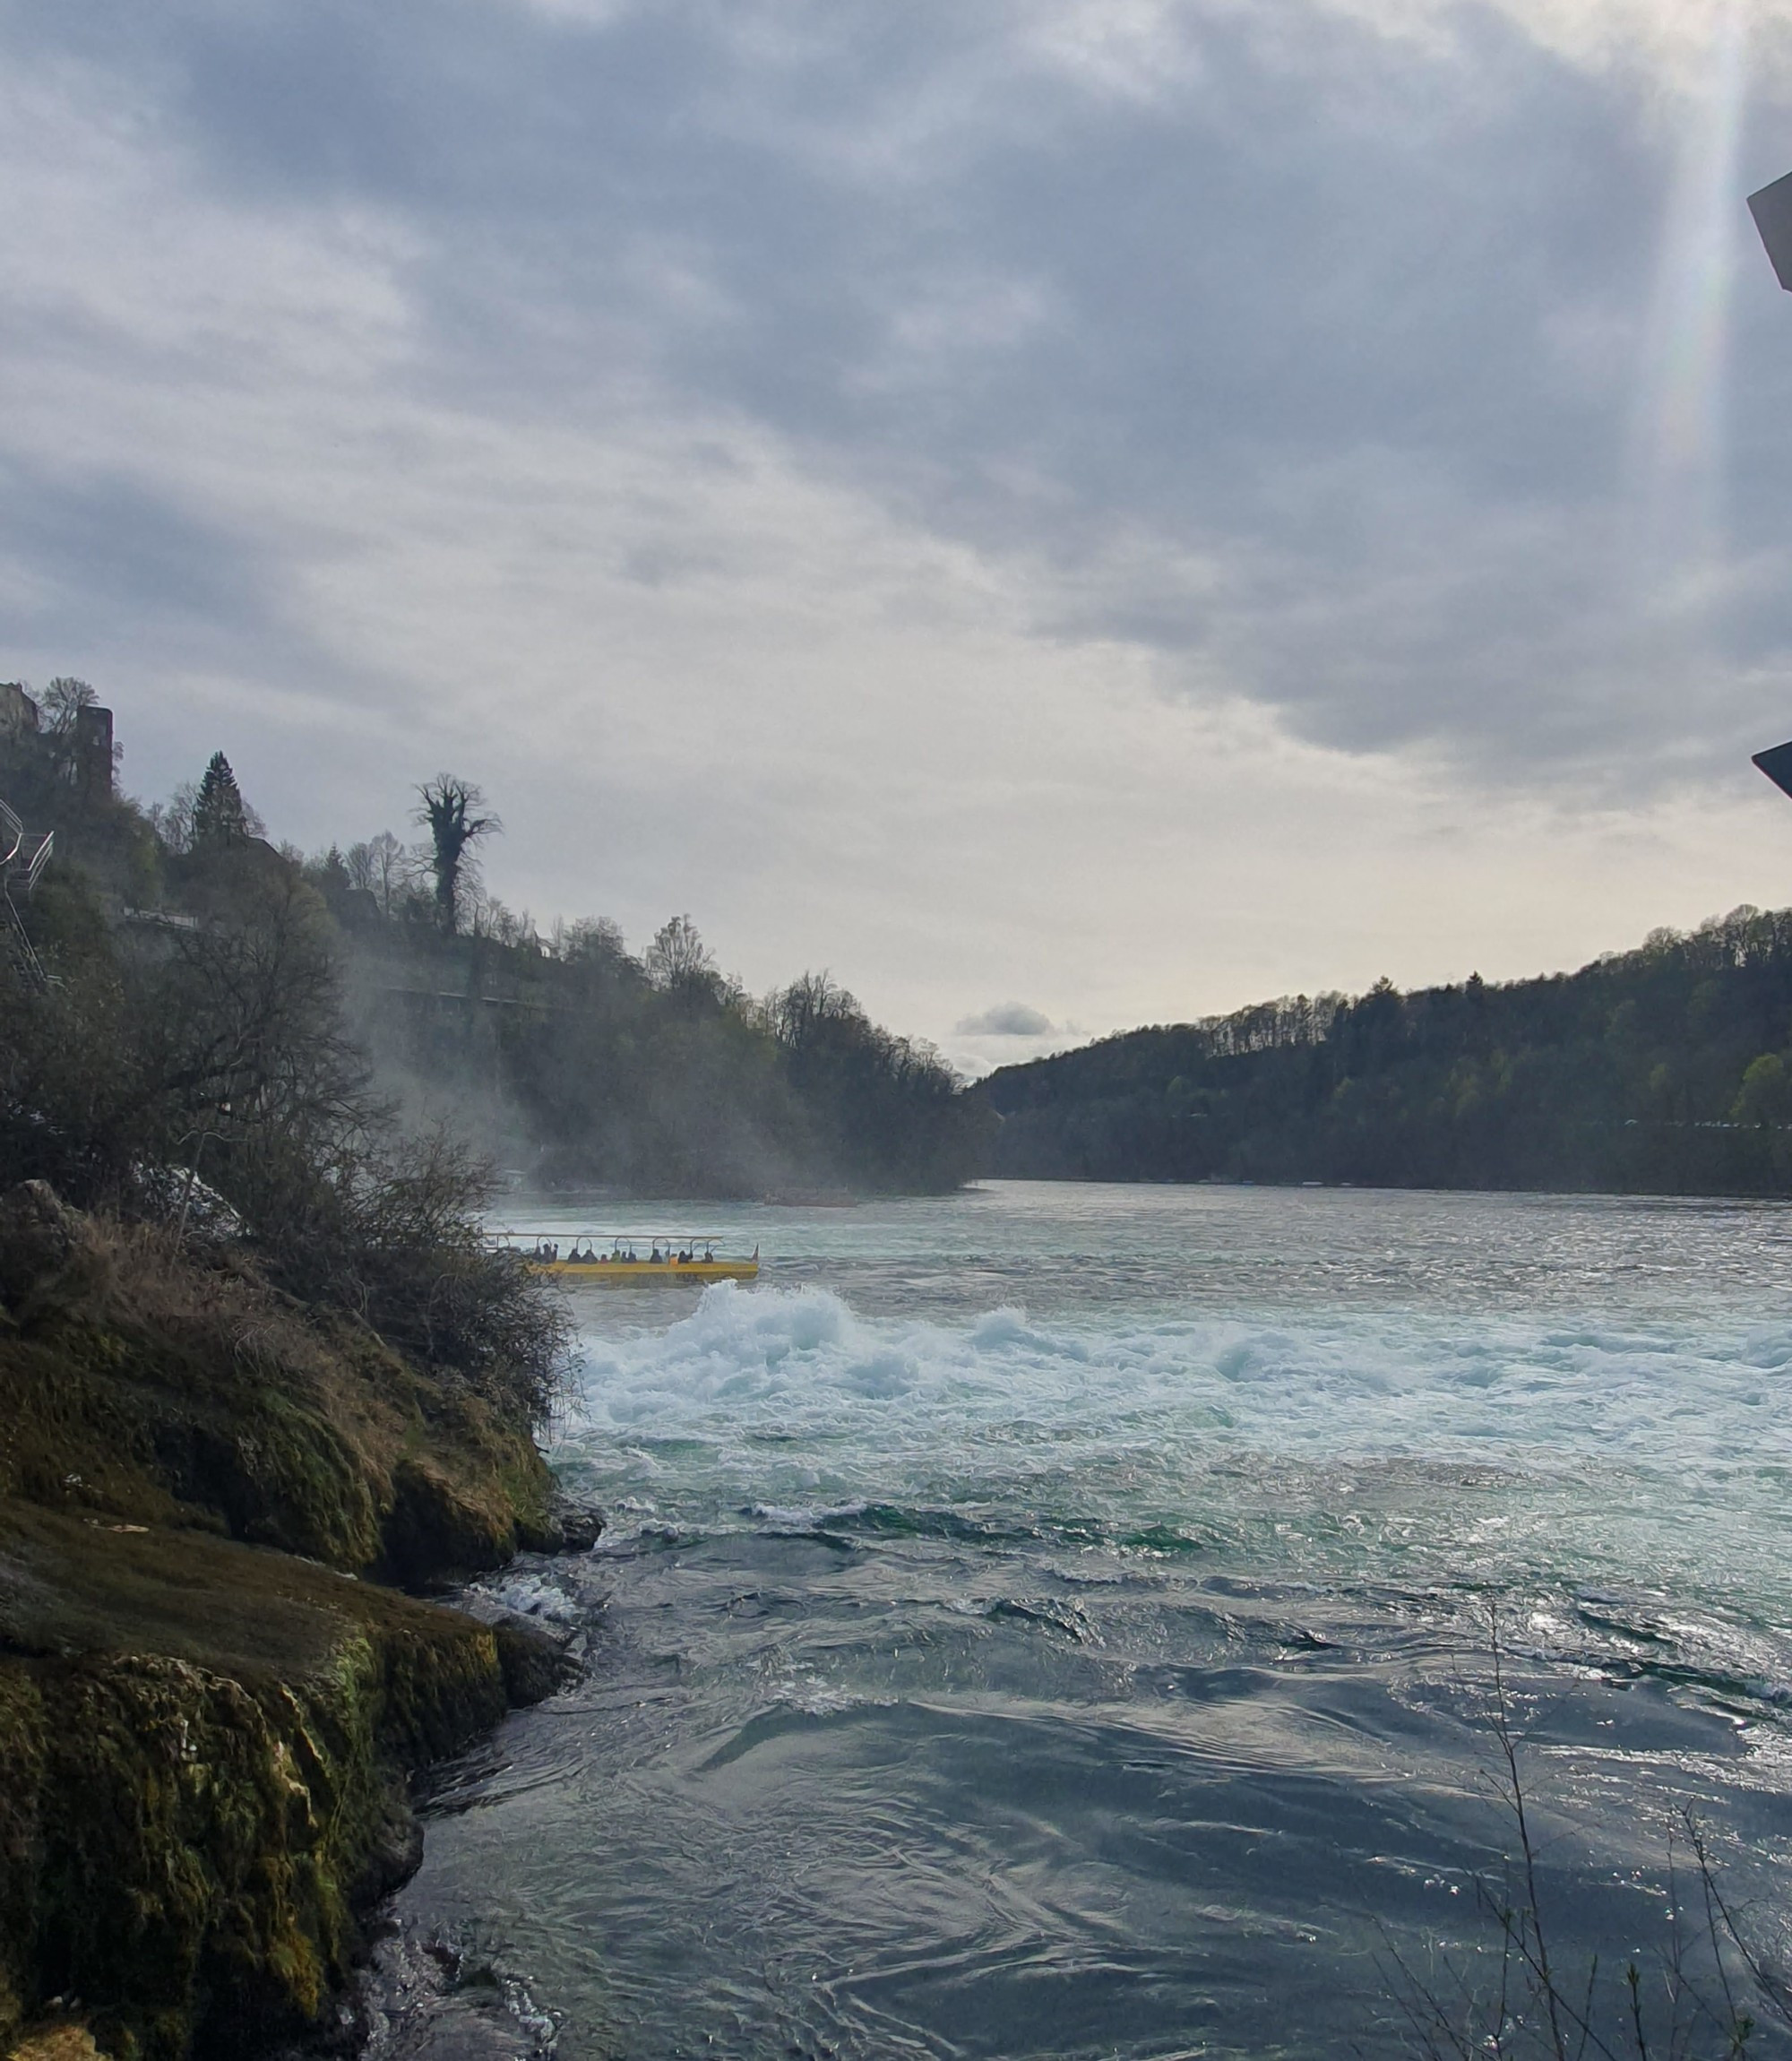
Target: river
1060 1620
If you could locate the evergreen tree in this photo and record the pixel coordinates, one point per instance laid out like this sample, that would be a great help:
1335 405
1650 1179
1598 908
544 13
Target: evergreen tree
218 816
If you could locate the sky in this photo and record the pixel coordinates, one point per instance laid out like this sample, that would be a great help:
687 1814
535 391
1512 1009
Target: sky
1064 514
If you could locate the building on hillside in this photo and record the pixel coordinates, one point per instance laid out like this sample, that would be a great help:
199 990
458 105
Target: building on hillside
18 711
84 755
92 766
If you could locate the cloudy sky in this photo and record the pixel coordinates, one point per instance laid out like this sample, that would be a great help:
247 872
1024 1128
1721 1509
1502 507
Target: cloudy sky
1066 512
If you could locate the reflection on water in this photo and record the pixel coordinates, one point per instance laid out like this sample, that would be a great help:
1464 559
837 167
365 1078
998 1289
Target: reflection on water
1053 1621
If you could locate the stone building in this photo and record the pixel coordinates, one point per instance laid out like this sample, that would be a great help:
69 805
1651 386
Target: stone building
18 711
92 757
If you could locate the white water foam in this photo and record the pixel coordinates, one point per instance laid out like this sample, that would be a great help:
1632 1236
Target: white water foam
804 1368
1635 1446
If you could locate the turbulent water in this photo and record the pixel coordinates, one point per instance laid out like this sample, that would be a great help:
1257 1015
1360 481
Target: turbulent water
1059 1620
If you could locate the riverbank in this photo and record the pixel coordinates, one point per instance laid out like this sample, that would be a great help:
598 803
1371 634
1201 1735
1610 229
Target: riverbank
213 1688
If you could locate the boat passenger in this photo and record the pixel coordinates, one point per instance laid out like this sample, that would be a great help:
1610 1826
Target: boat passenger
655 1258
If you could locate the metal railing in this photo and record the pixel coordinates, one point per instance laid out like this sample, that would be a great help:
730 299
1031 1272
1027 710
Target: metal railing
15 866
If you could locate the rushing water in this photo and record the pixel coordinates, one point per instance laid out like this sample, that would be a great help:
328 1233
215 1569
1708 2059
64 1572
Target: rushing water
1055 1620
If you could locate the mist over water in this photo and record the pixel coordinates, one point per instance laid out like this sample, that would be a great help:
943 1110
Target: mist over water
1054 1620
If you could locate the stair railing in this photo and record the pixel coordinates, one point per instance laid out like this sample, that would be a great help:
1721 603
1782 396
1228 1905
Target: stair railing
23 952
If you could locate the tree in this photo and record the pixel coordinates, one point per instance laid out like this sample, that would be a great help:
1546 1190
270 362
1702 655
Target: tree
1765 1097
172 820
218 816
382 866
449 808
589 940
63 700
797 1012
679 960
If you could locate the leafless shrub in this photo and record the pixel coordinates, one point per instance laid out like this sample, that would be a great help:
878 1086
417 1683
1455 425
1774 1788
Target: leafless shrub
396 1240
1708 1995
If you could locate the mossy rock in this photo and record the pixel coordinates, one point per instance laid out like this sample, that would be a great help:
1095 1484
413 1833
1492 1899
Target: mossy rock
140 1385
198 1744
206 1720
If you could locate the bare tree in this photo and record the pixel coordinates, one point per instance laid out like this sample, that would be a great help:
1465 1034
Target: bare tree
63 701
795 1014
172 820
382 866
679 960
449 808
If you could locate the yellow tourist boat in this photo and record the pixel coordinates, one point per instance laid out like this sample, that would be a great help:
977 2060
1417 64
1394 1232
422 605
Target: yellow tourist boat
580 1261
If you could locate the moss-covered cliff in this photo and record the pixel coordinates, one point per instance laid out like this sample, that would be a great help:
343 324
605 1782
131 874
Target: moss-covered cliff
206 1718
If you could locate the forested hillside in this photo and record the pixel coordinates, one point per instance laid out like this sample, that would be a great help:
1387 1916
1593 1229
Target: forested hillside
564 1056
1668 1069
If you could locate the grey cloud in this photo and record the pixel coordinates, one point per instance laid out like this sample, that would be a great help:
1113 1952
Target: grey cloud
106 569
1007 1019
1292 329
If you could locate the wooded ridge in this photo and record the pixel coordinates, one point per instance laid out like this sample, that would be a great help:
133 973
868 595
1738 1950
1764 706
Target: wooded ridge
1665 1070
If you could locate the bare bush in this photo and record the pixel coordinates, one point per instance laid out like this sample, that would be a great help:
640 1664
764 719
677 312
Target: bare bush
1708 1995
396 1240
213 1061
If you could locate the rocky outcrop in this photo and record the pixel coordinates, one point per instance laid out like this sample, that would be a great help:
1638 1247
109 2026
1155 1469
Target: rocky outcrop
207 1721
143 1385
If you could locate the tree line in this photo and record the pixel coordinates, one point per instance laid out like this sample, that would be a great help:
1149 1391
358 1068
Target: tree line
565 1055
1667 1070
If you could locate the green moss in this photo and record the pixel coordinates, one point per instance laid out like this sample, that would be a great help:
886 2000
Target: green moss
162 1392
206 1721
197 1741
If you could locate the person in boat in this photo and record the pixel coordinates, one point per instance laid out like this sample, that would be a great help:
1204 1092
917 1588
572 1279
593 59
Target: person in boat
657 1258
708 1256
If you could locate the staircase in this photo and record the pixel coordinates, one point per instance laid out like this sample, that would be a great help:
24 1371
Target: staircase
22 859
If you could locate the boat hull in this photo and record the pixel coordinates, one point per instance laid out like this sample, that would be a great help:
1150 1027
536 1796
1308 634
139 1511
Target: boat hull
634 1274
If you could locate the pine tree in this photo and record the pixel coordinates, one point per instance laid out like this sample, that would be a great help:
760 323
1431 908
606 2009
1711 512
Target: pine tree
219 816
